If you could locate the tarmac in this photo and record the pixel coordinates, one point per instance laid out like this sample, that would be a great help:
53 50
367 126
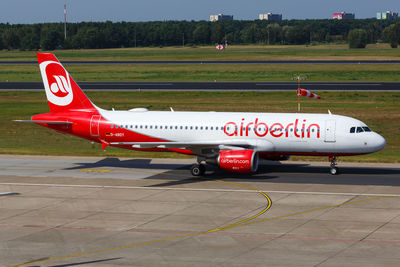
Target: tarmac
215 86
90 211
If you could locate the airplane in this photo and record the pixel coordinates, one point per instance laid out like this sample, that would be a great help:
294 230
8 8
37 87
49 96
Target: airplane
233 141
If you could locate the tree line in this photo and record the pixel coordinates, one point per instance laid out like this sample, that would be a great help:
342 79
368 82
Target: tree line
50 36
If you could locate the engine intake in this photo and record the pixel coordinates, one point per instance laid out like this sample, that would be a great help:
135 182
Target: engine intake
239 161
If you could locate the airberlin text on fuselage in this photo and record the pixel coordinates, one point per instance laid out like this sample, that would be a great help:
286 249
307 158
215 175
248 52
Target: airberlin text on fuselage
298 128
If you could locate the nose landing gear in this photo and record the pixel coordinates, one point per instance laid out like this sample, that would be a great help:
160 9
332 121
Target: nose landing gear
334 170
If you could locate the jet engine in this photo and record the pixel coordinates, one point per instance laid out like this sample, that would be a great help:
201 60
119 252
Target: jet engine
239 161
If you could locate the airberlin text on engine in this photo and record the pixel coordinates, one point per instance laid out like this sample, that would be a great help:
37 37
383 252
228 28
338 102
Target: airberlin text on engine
297 129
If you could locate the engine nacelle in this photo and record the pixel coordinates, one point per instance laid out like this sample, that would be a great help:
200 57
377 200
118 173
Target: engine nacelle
239 161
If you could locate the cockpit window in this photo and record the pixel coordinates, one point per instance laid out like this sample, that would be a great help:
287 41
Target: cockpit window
352 129
360 130
366 129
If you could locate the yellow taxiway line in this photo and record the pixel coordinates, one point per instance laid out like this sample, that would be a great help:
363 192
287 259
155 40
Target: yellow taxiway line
268 206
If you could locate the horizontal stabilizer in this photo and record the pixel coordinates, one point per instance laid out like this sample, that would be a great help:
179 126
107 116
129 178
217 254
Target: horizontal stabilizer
48 122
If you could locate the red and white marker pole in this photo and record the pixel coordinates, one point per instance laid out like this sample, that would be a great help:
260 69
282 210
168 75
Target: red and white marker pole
304 92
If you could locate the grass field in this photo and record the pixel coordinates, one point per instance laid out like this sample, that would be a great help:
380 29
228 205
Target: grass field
379 110
250 52
207 72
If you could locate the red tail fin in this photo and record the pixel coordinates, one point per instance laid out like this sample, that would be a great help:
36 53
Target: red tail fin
61 90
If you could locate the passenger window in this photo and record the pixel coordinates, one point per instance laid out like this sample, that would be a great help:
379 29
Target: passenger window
112 126
191 127
366 129
195 128
151 126
186 127
181 127
211 128
359 130
170 127
352 129
155 127
135 126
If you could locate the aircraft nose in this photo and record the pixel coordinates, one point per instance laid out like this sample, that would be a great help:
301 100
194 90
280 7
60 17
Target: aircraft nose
379 142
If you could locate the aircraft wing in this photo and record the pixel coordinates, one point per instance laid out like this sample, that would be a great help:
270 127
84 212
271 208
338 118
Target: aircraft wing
254 144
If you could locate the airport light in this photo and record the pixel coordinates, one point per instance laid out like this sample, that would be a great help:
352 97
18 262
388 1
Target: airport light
65 21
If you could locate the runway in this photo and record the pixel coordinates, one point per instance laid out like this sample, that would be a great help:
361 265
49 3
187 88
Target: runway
92 211
195 62
214 86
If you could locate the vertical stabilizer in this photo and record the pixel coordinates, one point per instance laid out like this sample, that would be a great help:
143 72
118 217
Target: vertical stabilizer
62 92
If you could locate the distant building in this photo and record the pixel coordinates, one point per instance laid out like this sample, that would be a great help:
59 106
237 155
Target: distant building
270 16
387 15
220 17
343 15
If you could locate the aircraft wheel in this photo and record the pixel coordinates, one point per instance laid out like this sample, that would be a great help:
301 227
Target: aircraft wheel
334 171
198 169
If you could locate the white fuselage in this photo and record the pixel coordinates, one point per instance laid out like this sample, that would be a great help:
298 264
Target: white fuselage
289 133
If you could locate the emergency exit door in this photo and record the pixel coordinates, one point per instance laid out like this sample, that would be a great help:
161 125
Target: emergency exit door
330 128
94 125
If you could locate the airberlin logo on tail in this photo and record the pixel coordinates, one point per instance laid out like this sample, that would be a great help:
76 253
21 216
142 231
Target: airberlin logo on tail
57 83
60 87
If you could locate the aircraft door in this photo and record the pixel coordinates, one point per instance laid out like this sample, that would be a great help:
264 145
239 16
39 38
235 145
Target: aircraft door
94 125
330 128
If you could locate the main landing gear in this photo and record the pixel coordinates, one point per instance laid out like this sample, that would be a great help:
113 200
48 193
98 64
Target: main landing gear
198 169
334 170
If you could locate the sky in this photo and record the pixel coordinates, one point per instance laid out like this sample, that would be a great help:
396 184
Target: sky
38 11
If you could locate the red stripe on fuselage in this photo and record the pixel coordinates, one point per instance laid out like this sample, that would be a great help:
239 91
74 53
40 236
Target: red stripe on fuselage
81 127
